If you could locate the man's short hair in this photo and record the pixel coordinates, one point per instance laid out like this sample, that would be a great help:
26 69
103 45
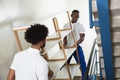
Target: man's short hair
75 11
36 33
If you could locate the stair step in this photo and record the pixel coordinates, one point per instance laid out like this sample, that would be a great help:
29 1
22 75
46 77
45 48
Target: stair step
116 73
97 29
116 62
115 38
115 25
114 4
115 49
114 8
114 79
115 12
113 29
77 78
115 21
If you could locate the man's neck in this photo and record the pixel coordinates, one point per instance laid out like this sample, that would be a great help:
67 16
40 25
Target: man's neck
73 21
36 47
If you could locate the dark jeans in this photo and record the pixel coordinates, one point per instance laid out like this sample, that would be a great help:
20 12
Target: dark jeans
82 59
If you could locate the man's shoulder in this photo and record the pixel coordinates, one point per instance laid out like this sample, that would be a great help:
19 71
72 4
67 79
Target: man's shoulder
78 23
79 27
20 53
66 25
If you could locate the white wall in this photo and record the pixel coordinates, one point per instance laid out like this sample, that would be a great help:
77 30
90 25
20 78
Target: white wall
47 7
16 13
82 6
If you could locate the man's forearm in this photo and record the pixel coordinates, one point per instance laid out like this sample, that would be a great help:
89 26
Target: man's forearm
11 75
80 41
11 78
50 74
65 41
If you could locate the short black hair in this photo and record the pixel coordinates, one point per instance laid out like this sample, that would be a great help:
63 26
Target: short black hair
36 33
75 10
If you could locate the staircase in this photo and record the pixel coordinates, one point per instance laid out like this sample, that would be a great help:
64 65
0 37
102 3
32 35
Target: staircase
114 9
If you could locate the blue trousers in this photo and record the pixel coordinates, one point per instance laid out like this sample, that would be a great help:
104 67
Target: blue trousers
82 59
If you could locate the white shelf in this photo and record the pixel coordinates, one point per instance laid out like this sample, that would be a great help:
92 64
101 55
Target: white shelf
50 44
69 52
20 28
59 54
56 34
55 66
64 33
63 74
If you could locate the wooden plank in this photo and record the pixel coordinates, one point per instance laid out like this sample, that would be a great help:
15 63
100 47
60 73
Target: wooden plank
63 74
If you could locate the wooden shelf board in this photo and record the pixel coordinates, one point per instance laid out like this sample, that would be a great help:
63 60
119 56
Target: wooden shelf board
69 52
63 74
60 54
64 33
20 28
55 66
50 44
53 36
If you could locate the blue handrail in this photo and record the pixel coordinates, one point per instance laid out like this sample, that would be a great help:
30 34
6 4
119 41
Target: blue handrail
104 24
90 14
93 64
92 23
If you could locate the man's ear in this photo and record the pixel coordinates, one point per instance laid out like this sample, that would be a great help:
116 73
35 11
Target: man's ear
40 42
